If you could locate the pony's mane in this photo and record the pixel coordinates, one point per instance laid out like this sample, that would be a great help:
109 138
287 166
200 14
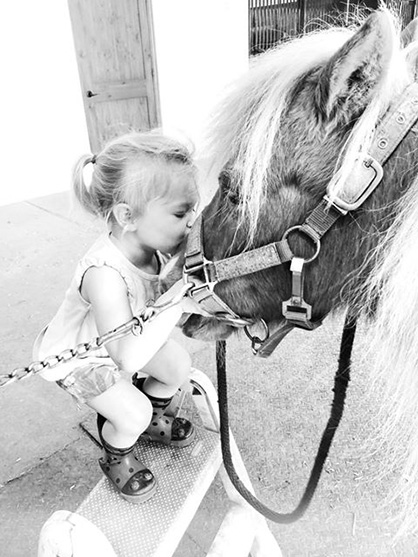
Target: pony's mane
392 340
248 119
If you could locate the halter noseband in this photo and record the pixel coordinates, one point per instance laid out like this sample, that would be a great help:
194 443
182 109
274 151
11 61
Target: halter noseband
205 274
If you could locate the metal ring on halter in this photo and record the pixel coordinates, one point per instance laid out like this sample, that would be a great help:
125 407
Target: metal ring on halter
316 241
255 339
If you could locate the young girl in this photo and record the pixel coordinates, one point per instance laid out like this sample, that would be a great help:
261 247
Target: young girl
144 186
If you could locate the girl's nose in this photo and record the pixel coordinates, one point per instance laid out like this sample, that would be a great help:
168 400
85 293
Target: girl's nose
190 221
191 218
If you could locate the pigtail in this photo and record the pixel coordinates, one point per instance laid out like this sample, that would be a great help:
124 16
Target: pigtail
85 194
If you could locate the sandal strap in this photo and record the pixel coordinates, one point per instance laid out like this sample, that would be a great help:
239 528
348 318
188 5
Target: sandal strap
115 464
118 451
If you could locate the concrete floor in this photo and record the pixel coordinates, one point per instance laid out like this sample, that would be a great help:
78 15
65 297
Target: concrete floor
279 407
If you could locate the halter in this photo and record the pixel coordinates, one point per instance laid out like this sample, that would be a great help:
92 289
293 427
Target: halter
390 132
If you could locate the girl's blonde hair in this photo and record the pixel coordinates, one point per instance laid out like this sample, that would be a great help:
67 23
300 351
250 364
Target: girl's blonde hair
134 168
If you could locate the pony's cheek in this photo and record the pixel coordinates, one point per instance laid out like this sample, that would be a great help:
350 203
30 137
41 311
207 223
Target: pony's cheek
207 329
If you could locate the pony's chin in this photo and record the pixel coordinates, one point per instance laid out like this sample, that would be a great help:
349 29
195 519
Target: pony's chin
206 328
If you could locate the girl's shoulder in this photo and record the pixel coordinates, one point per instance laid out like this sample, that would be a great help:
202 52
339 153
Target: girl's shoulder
100 253
103 283
109 261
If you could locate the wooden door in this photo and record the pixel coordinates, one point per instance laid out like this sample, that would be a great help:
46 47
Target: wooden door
116 61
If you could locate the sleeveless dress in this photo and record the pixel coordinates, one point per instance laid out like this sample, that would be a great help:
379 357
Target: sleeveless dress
74 322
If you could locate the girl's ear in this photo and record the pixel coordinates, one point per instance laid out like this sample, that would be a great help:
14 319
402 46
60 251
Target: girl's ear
350 79
123 215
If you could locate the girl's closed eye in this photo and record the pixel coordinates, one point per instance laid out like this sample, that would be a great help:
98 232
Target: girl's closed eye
185 213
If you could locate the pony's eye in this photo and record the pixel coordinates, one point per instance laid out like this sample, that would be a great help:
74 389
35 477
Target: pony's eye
230 193
233 197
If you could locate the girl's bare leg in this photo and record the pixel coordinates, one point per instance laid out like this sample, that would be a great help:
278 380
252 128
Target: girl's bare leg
127 411
167 370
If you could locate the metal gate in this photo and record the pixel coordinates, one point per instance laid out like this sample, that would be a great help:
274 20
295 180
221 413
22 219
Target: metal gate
273 21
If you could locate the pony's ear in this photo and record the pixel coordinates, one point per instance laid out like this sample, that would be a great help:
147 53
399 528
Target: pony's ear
350 79
410 33
409 40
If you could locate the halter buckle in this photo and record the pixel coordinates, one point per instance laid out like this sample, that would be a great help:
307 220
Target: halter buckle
368 177
203 265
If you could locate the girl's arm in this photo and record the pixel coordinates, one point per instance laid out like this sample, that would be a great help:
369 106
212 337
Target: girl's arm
106 291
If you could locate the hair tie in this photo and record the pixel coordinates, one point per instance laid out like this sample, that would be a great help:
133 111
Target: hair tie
93 159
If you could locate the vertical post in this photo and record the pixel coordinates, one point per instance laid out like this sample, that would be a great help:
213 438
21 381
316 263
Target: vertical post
302 15
249 27
414 12
347 12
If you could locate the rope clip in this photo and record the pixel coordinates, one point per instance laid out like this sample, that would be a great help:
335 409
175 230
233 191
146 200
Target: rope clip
296 309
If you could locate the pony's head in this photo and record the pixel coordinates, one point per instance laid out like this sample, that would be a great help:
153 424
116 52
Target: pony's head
290 129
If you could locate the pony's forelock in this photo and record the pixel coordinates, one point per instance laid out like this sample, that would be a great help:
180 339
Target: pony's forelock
247 120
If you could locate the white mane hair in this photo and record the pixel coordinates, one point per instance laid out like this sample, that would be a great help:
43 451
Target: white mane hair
248 119
393 351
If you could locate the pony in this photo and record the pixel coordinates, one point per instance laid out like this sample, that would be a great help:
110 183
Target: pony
287 132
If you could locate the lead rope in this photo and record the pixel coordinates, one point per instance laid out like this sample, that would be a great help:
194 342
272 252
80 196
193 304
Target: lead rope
341 379
134 326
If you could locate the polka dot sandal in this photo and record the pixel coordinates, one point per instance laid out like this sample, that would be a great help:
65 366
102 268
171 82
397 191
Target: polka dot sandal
169 431
131 478
165 429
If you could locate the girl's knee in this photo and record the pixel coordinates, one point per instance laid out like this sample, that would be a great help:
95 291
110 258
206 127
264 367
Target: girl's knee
179 364
137 418
171 365
133 417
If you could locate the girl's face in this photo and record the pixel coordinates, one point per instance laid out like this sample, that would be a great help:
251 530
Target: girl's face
166 222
